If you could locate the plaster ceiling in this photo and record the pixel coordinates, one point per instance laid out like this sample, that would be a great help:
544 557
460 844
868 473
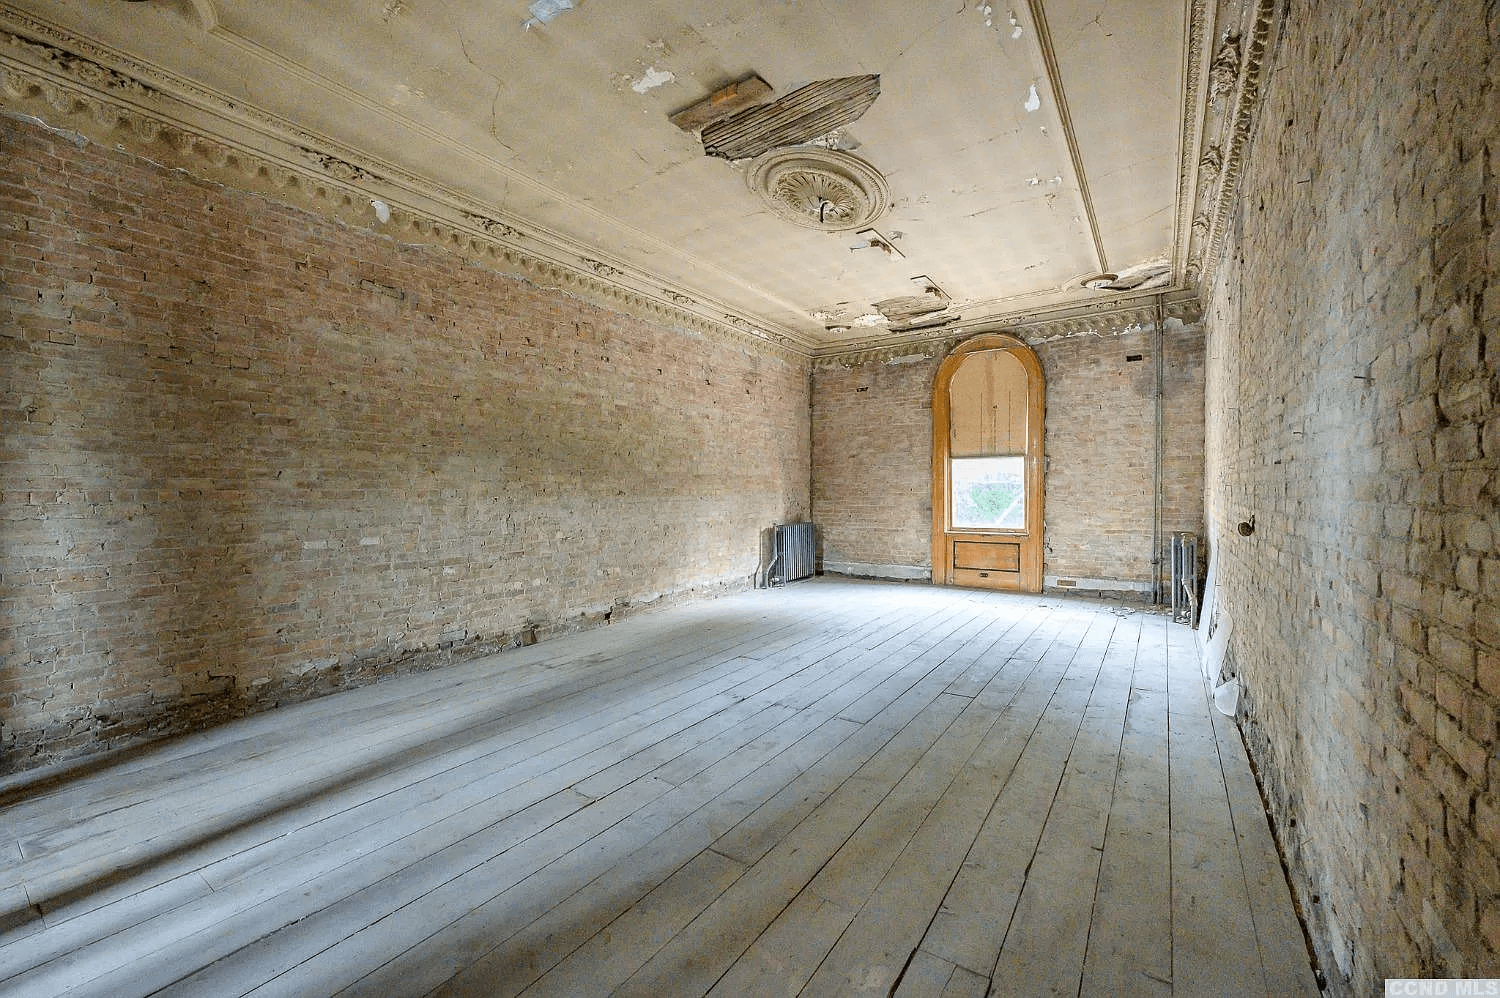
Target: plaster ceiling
1025 148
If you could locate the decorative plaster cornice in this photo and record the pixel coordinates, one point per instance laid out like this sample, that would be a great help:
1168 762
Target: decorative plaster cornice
68 63
260 121
1197 32
1223 108
1106 318
115 99
49 73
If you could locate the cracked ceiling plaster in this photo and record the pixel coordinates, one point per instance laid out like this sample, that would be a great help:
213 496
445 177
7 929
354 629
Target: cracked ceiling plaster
1026 149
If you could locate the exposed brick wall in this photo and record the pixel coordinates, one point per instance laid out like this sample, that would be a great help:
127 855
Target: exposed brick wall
250 455
1353 376
872 466
1101 427
872 456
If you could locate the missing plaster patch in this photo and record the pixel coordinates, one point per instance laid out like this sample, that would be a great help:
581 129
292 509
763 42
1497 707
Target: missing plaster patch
722 103
871 239
546 11
1033 100
1140 277
652 79
909 307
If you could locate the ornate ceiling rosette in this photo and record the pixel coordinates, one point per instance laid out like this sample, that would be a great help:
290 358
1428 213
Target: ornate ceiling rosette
820 188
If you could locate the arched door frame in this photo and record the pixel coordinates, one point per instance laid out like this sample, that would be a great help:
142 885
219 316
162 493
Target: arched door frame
1029 576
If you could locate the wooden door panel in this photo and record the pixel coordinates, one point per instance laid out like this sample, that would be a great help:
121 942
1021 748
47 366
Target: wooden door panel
1004 556
992 409
988 579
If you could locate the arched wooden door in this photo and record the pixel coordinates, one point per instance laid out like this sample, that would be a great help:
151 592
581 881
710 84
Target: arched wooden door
987 410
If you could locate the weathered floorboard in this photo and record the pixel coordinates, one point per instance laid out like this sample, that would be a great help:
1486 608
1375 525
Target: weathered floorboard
832 788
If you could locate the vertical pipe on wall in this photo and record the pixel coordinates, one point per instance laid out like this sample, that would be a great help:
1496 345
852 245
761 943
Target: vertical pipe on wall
1157 455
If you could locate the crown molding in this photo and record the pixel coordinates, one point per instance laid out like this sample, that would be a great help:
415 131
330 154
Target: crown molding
61 79
1197 37
1113 317
118 101
1225 45
195 94
1221 107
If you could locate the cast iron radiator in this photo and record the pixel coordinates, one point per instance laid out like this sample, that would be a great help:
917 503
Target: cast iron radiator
794 553
1185 579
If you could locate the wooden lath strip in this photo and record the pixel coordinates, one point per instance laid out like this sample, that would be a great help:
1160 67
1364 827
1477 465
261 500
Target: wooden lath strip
800 116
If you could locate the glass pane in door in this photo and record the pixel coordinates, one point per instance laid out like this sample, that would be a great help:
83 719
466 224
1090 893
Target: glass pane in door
988 493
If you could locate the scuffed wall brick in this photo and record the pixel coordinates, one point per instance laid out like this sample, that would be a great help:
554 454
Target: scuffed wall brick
872 466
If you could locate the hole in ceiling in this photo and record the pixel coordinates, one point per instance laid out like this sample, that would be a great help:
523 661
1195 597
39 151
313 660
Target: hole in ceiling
1141 277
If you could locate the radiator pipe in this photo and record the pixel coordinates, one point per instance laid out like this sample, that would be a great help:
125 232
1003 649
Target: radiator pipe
1158 449
775 555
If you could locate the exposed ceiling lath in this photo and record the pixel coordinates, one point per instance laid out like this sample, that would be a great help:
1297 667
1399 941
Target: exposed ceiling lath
801 116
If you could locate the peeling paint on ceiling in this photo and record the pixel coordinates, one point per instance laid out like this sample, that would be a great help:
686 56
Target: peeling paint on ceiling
432 105
651 79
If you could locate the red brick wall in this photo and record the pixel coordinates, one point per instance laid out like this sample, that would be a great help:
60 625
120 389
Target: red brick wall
250 455
872 457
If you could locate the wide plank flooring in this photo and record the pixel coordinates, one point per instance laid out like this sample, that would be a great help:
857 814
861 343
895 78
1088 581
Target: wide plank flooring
833 788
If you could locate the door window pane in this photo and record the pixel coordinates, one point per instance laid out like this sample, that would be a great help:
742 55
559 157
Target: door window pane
989 492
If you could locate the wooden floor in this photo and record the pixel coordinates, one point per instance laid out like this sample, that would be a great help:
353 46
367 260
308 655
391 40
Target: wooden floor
833 788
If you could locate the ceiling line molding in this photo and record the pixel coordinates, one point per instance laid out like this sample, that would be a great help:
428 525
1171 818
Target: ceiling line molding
114 98
1036 328
172 85
1246 105
208 14
1043 36
1226 98
109 106
1197 37
335 157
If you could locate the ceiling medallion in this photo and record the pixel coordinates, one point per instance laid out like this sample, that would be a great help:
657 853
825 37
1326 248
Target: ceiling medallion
820 188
